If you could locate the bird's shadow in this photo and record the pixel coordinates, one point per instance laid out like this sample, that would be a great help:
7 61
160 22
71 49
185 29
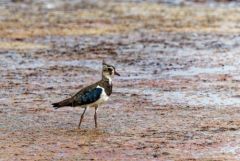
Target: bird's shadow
89 133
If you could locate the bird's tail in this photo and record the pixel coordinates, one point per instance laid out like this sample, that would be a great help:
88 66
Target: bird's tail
66 102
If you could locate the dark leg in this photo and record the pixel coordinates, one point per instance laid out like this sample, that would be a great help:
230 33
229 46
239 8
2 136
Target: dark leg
95 116
81 117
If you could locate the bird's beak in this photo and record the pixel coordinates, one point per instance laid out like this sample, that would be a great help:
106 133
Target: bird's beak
116 73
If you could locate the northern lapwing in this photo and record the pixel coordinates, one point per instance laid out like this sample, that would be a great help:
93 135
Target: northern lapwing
93 95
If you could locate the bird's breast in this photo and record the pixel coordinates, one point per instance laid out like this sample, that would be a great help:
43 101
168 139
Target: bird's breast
104 97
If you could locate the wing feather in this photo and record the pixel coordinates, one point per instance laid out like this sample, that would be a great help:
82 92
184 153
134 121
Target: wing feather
88 96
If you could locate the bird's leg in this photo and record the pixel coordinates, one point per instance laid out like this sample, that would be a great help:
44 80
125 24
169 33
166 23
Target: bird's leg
81 118
95 116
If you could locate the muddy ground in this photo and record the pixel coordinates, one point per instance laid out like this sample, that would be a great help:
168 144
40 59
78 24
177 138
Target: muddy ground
177 98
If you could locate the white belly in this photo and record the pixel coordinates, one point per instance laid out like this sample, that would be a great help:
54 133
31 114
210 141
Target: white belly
103 98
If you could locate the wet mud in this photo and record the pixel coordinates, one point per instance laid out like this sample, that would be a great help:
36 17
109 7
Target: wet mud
177 98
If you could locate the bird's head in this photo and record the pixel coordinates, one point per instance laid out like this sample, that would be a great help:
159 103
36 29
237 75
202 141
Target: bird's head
108 71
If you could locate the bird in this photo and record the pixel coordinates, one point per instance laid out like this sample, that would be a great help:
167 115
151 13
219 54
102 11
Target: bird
93 95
